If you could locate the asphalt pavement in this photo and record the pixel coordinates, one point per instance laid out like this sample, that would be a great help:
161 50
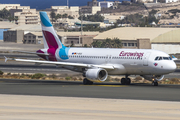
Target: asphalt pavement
139 91
97 90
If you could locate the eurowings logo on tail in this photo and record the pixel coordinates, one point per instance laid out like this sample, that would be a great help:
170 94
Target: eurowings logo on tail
51 40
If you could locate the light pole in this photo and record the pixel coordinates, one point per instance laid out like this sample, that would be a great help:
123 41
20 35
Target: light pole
81 24
68 3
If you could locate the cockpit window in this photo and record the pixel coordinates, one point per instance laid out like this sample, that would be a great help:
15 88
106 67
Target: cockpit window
165 58
156 58
160 58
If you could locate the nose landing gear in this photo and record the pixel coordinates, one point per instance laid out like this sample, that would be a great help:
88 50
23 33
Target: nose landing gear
155 83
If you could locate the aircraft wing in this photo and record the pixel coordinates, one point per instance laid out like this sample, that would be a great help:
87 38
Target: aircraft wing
32 53
66 63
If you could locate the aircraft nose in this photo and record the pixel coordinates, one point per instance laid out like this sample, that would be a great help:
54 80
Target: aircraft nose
172 66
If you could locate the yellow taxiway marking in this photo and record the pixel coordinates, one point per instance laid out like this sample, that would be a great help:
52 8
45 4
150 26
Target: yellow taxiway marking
109 85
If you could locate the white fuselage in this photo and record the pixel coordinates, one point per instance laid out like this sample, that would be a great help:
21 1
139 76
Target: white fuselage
125 61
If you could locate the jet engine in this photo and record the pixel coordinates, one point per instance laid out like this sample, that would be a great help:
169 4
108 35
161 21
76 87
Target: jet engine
153 77
96 74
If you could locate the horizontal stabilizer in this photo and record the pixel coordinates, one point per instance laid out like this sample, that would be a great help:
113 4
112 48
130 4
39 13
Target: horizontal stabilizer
31 53
6 59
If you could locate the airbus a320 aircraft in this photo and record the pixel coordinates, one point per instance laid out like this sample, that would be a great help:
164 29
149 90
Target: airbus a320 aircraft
97 63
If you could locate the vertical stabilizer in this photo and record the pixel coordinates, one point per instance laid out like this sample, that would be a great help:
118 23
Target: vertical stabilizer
50 37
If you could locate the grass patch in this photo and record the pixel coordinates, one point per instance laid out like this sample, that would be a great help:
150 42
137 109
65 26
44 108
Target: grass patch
38 76
68 78
174 81
53 76
8 73
1 72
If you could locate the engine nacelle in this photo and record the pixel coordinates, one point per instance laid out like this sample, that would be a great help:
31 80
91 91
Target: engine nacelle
153 77
96 74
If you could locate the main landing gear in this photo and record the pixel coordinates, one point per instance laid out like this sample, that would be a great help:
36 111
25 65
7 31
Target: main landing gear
126 81
155 83
87 82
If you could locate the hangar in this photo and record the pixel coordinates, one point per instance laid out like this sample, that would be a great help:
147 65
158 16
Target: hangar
4 26
164 39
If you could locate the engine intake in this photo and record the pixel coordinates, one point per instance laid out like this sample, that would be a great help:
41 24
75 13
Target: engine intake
96 75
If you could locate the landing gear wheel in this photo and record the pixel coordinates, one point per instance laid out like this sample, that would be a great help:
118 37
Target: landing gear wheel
90 82
123 81
128 81
155 83
87 82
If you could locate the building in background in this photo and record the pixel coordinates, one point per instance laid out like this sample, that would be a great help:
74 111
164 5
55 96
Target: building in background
67 38
106 4
76 40
17 32
18 9
103 4
27 16
70 11
16 36
93 3
163 39
24 14
4 26
33 38
89 10
1 33
169 1
143 1
9 6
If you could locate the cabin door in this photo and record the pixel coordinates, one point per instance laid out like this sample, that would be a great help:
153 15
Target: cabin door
146 57
108 58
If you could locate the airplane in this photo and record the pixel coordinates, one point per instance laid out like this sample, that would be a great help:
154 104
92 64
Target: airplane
97 63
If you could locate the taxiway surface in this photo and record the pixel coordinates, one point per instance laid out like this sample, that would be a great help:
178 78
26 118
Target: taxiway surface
103 90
